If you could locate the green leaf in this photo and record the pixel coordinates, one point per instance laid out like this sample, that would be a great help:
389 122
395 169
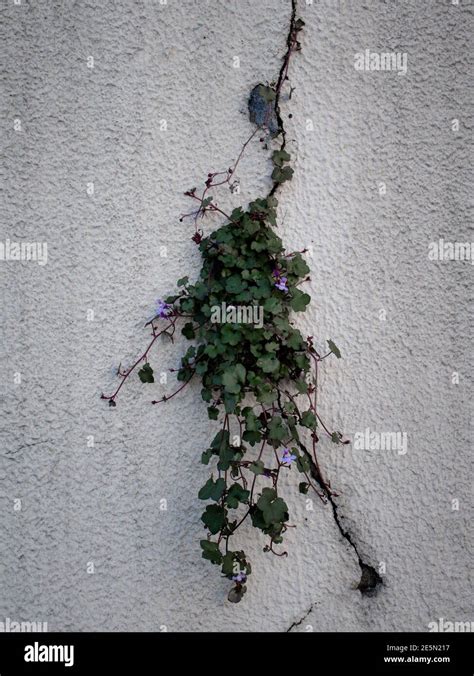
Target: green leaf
233 562
250 226
291 422
279 157
230 382
252 437
301 386
187 305
201 367
188 331
228 563
336 437
230 402
211 551
200 291
273 242
206 394
230 334
302 464
146 374
224 235
308 419
295 341
262 289
211 351
257 518
183 281
276 429
272 305
257 467
234 284
236 495
240 372
226 456
334 349
282 174
213 412
298 266
303 487
221 438
252 423
301 361
206 456
212 490
268 364
214 518
274 509
236 214
268 495
266 394
272 346
271 218
299 300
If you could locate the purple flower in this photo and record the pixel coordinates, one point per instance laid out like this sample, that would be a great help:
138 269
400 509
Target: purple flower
163 309
240 577
281 284
287 457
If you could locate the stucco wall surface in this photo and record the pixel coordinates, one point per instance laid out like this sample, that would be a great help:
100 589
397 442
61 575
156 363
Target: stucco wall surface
164 104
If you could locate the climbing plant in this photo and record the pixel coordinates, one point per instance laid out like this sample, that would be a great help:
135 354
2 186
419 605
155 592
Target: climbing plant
258 373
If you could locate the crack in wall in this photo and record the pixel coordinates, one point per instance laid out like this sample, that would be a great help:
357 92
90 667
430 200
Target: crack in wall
282 75
297 623
370 580
267 114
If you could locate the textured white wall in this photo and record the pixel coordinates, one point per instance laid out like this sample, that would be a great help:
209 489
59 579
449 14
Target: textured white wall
79 125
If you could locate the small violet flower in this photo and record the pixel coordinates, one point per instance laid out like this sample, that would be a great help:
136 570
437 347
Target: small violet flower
280 282
163 309
240 577
287 457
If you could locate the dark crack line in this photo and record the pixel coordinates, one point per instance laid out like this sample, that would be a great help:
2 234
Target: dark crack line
281 76
370 580
298 622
